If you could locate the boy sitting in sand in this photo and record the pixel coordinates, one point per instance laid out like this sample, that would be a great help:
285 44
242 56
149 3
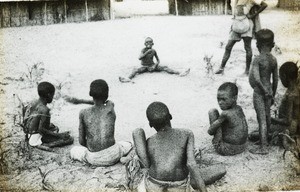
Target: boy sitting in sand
37 121
229 128
263 67
96 131
288 119
148 65
169 154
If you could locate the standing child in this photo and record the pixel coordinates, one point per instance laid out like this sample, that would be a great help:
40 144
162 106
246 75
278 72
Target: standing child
263 67
37 120
229 128
148 65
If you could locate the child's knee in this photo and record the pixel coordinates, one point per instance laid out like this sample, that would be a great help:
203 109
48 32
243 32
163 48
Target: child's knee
213 114
137 132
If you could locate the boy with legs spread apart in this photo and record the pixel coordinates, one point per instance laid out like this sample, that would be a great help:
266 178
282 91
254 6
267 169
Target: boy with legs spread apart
148 65
37 121
264 67
96 131
169 154
243 7
229 128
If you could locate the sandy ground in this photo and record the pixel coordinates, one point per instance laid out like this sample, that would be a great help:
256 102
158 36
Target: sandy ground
76 54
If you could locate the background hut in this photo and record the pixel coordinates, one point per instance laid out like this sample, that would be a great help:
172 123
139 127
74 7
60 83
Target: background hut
289 4
199 7
15 13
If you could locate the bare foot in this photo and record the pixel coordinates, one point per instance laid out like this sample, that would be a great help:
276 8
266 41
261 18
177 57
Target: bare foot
259 150
220 71
125 80
185 73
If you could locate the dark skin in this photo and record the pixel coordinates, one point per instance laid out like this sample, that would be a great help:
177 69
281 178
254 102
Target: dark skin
97 126
232 120
169 154
40 123
263 68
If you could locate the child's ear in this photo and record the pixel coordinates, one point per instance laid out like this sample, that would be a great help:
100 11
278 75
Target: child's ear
150 125
235 97
170 116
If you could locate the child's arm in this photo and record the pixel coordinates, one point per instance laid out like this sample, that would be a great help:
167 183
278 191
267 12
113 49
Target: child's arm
139 139
262 7
44 123
275 78
82 139
143 54
192 165
157 58
256 77
217 124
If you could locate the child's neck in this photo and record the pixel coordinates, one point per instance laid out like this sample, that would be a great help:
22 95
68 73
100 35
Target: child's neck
265 50
98 102
165 128
43 101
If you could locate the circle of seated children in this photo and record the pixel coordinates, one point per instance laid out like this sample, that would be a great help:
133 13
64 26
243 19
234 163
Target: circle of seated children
169 155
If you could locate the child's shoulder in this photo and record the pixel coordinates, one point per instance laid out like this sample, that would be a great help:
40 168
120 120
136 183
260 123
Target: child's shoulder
42 109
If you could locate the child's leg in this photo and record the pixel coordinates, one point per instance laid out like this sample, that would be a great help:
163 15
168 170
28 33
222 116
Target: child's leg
260 108
226 55
140 143
166 69
212 173
56 141
213 115
137 71
248 49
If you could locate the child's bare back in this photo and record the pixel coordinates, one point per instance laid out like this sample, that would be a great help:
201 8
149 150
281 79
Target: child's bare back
167 152
98 123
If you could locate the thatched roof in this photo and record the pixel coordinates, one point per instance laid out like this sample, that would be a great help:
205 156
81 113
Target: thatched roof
3 1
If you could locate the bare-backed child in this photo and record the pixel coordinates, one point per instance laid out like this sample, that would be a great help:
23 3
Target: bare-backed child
148 65
263 68
230 129
288 119
96 131
169 154
37 121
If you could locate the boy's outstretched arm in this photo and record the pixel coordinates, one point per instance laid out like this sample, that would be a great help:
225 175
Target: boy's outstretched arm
140 143
216 124
192 165
82 138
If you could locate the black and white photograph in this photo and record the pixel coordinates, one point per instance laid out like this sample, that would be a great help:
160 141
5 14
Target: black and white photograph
149 95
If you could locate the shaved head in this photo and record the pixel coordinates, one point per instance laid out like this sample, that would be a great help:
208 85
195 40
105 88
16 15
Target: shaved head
158 114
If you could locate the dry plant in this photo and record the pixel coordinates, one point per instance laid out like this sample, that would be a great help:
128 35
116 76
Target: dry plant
34 73
209 66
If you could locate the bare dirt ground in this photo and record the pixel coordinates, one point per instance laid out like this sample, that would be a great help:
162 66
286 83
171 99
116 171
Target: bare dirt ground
75 54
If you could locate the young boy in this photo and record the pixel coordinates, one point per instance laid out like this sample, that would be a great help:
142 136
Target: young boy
289 108
263 67
235 37
169 154
37 121
148 65
229 128
96 131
